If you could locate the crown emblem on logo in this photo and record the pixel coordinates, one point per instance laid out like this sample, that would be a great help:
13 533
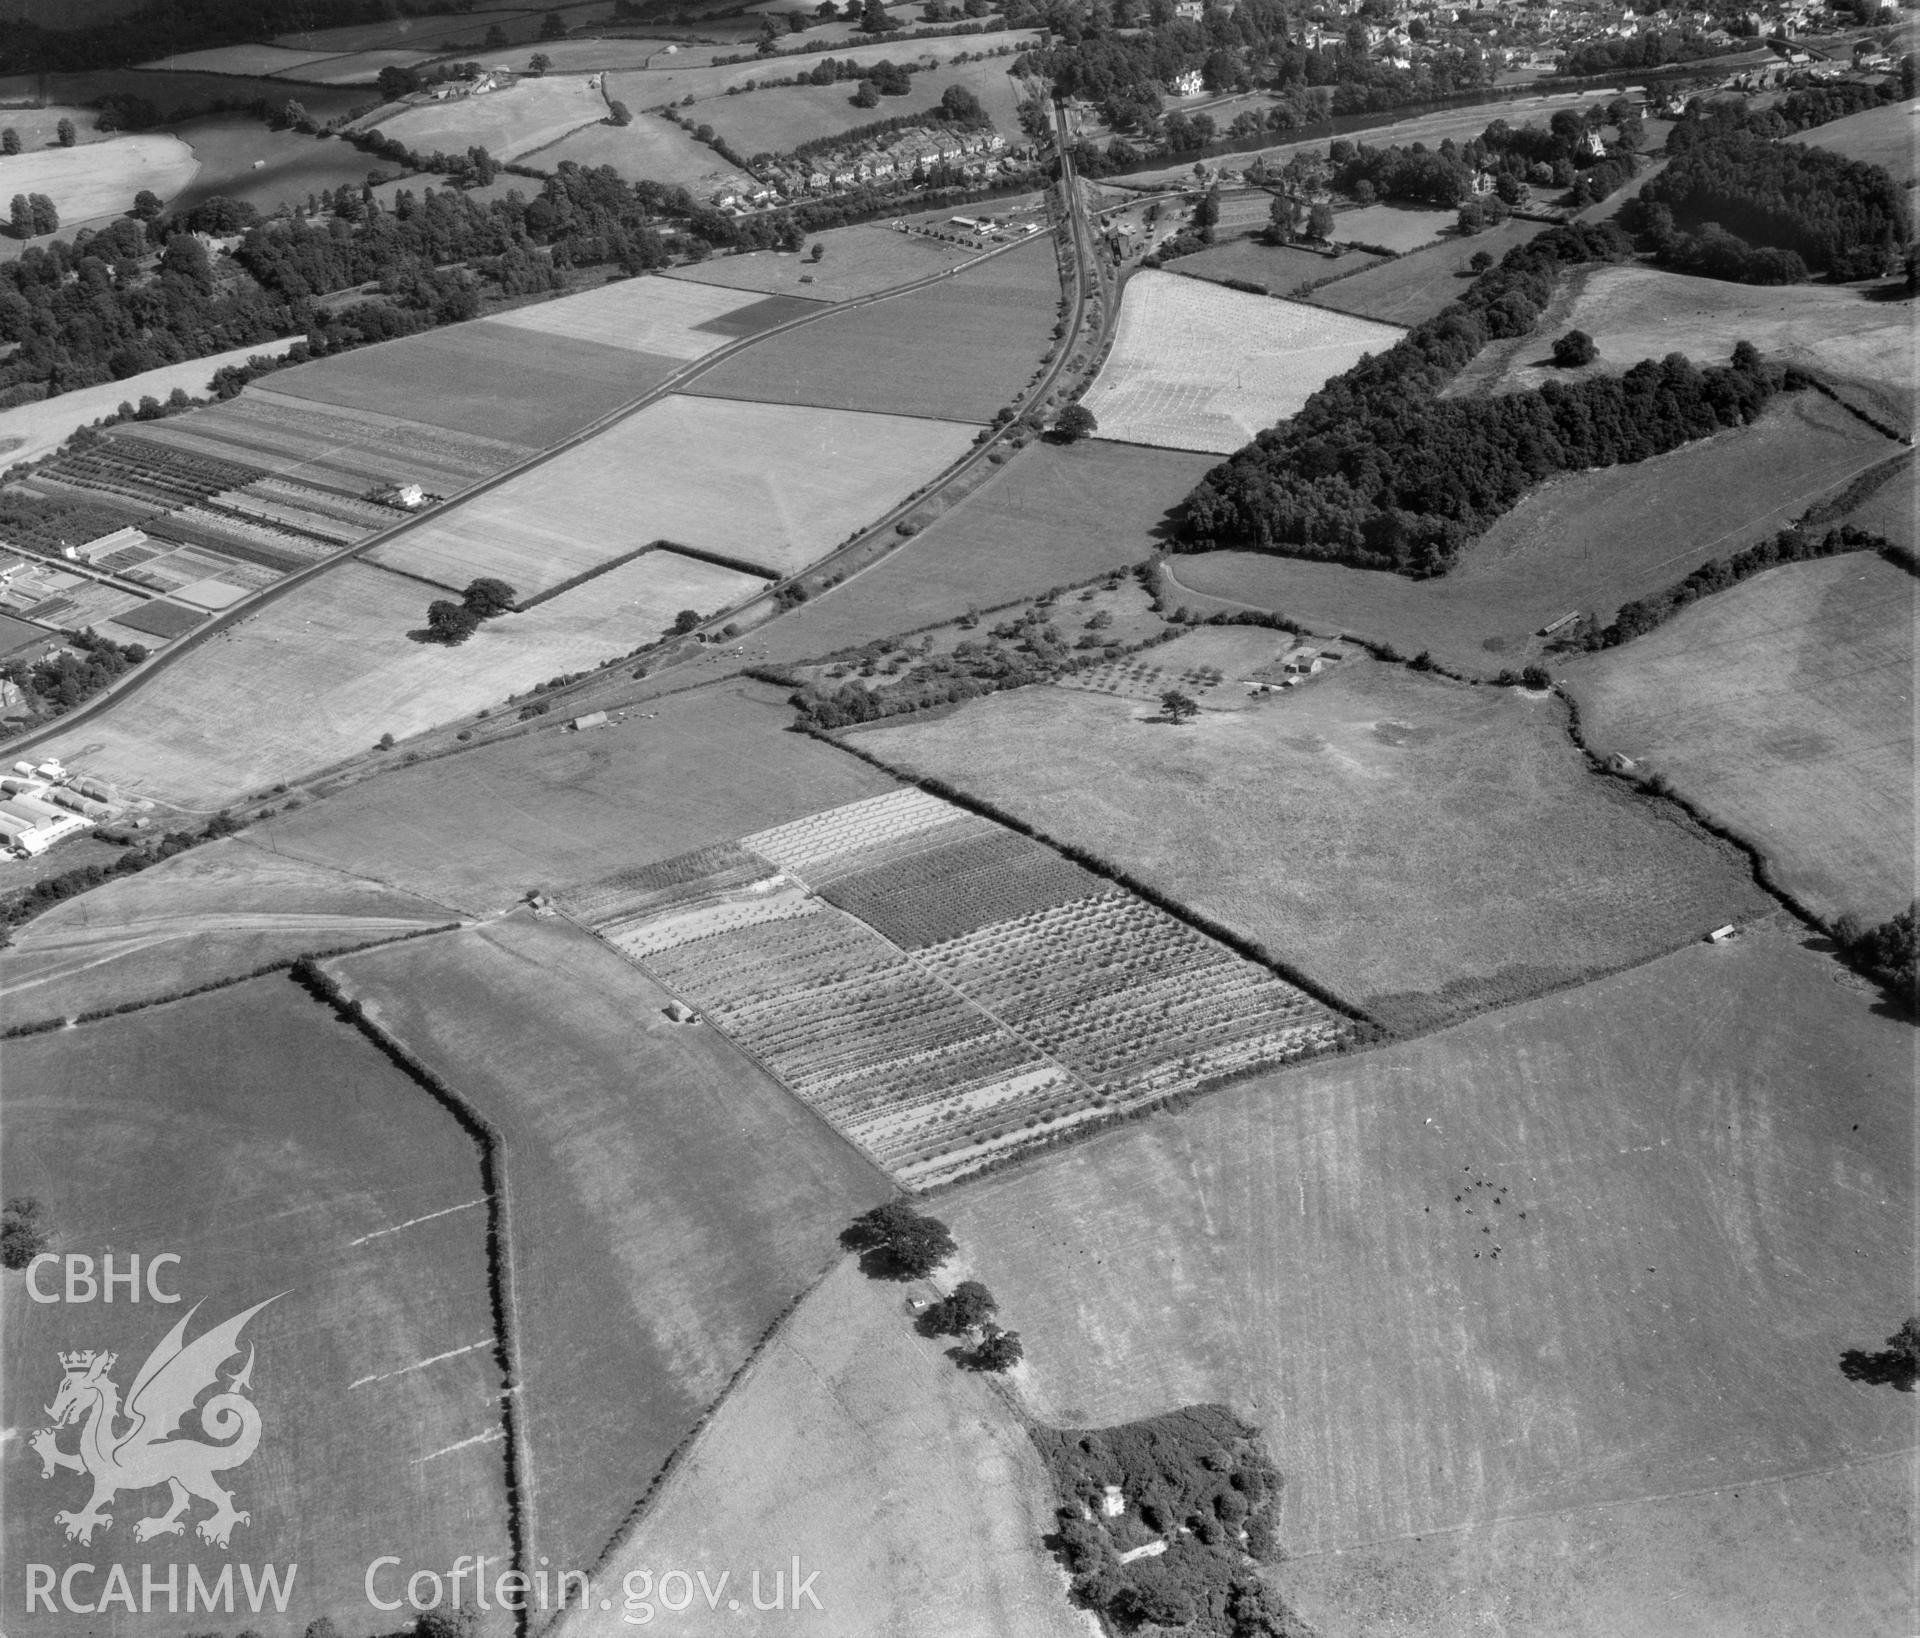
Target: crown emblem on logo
79 1361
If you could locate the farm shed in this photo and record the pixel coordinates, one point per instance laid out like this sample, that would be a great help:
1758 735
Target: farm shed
593 719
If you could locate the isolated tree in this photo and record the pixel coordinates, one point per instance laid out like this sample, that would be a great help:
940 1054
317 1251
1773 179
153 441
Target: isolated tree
970 1305
618 113
1320 221
553 26
20 217
485 598
384 743
1574 349
818 251
1177 707
874 18
22 1234
9 141
65 134
451 623
1283 218
865 96
1074 423
539 63
1479 261
46 219
685 621
295 115
897 1242
1001 1351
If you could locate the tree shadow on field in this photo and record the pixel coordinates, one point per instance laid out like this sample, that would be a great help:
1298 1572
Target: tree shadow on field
1887 1368
1893 290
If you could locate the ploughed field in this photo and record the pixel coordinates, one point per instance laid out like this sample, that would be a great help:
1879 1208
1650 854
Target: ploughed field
1785 708
1419 847
944 991
1196 366
279 1156
1699 1180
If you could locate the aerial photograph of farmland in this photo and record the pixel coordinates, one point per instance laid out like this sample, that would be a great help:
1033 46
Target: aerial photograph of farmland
1001 819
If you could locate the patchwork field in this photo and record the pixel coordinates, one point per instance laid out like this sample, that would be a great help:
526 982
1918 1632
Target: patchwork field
34 430
1411 289
99 178
668 1198
1195 366
322 673
527 115
219 911
1419 847
1053 515
989 995
1881 136
1591 541
273 1151
650 149
958 351
1865 348
1666 1319
855 261
454 377
1784 707
855 1446
1399 228
657 318
676 471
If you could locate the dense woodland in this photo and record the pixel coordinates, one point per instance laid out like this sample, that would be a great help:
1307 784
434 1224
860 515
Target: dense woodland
1377 471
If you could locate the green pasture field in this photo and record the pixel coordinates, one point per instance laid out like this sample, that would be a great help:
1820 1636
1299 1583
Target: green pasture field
657 318
855 261
437 34
218 911
1052 516
1591 542
96 179
1281 268
957 352
278 1155
1419 847
650 149
1863 347
1881 136
775 120
457 378
1712 1154
239 59
1784 708
564 808
1399 228
40 127
1410 289
668 1198
1196 366
768 484
856 1446
1893 509
321 674
226 145
527 115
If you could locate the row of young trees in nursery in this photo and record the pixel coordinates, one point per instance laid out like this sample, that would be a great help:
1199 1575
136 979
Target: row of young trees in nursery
1378 471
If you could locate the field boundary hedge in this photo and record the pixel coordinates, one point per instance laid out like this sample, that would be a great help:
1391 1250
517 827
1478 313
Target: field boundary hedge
329 992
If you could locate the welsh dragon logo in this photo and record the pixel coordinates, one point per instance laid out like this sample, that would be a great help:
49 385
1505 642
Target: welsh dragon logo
132 1447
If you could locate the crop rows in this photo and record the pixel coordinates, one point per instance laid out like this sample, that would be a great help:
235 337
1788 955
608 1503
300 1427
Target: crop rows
931 897
177 530
816 844
651 888
325 502
279 514
475 457
707 917
1130 999
223 526
144 471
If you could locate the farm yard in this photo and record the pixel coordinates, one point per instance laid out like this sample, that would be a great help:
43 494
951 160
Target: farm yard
1409 290
855 261
989 995
1865 348
1591 541
1420 848
1666 1318
32 431
958 351
1195 366
649 150
96 179
669 1199
675 472
1880 136
1783 707
696 765
527 115
855 1446
272 1151
322 673
1053 515
220 910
